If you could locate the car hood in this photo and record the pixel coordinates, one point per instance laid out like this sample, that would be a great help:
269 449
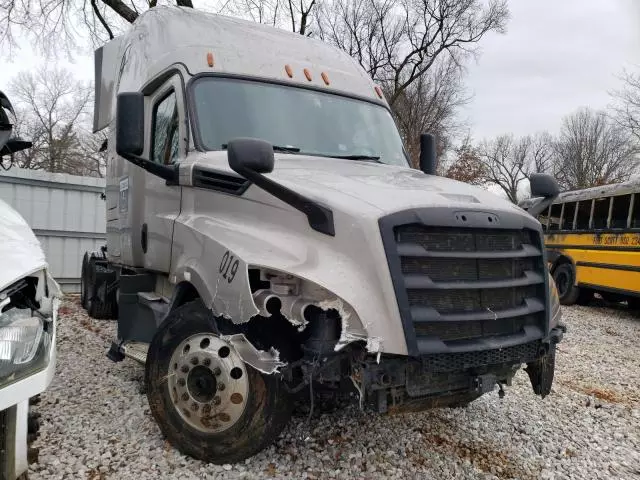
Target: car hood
368 186
20 250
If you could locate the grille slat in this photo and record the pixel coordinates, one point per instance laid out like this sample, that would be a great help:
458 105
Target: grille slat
414 250
466 283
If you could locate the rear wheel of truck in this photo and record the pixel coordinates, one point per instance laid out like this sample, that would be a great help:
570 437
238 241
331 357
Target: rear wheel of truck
208 403
564 277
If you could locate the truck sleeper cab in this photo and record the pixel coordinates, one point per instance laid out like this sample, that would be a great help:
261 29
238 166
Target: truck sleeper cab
265 234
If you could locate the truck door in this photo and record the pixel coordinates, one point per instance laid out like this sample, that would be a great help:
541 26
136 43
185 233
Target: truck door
161 201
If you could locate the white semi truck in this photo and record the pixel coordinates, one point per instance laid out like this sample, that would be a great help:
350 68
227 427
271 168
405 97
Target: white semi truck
266 235
28 309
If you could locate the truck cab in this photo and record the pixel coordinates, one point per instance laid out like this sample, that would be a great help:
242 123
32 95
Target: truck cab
266 235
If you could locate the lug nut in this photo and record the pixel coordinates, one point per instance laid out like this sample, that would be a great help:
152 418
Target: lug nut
207 362
181 382
206 409
194 360
217 400
217 371
185 369
194 407
221 386
185 396
224 417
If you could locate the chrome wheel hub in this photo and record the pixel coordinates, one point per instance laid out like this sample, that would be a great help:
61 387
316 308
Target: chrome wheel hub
208 383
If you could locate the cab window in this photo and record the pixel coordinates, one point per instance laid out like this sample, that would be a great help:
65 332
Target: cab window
165 138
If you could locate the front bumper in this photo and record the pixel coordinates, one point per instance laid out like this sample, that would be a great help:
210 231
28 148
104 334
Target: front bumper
437 380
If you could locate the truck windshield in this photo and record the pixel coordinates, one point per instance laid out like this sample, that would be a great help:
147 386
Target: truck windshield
297 120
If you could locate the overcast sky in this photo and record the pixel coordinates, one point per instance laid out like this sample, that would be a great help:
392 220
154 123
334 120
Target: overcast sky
557 55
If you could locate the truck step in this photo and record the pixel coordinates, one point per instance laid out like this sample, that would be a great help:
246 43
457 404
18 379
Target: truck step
136 351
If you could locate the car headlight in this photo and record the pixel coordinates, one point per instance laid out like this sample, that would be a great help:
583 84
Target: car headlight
554 302
24 344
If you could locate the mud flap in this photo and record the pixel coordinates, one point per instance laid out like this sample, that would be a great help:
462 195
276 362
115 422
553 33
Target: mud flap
541 372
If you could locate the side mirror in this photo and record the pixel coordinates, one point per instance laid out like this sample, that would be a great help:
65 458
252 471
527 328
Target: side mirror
428 153
130 136
250 154
130 124
543 185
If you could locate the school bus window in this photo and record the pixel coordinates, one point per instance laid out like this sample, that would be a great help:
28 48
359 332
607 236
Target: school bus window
635 219
554 217
620 211
584 213
567 216
600 213
543 217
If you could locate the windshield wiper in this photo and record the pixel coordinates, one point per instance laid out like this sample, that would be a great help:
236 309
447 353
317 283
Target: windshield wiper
276 148
357 157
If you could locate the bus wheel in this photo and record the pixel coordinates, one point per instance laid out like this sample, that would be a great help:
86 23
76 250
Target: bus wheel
633 303
207 402
564 276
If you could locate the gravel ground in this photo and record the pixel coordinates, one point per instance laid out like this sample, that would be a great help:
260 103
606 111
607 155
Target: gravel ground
96 422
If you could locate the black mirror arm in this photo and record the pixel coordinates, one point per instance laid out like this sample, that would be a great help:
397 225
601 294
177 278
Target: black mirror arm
320 217
170 174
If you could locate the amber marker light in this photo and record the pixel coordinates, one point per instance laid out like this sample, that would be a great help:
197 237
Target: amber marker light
325 77
307 74
210 59
287 68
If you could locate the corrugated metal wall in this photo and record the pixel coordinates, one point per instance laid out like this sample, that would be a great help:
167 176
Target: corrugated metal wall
66 212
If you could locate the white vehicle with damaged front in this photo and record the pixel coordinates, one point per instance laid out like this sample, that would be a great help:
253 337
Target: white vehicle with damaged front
28 309
266 236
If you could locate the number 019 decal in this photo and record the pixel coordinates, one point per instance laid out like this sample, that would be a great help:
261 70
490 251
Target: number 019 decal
229 266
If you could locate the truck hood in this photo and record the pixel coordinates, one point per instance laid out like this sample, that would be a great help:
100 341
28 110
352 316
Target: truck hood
20 250
362 185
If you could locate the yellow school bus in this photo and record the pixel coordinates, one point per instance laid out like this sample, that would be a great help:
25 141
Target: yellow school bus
592 238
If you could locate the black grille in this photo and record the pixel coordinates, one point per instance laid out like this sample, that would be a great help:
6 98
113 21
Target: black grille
466 283
455 362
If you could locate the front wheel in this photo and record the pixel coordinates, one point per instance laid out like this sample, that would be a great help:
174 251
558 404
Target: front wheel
206 400
564 277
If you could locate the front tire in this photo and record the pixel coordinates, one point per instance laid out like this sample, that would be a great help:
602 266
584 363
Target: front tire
564 277
207 402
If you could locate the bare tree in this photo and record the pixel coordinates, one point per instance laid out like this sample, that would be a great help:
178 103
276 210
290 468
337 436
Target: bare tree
398 42
593 150
53 111
53 24
627 107
506 159
430 105
541 154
